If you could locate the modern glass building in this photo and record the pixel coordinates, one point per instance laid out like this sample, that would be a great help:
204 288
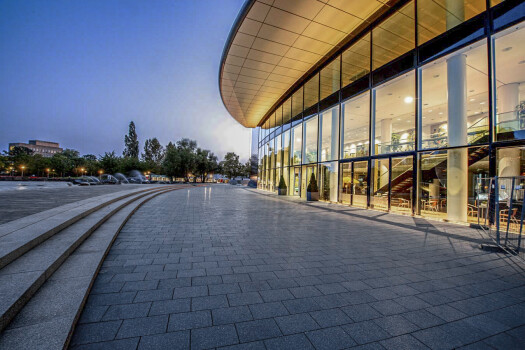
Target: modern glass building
394 105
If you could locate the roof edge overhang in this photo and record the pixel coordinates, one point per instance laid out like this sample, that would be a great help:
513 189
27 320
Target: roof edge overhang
389 7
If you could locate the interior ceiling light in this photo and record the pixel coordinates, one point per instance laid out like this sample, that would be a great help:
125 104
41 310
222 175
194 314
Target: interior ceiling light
408 99
472 99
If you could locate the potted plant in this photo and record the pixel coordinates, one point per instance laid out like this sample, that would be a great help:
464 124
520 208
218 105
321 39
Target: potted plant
282 189
312 192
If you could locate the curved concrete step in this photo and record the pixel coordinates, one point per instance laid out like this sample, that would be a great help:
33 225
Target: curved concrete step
22 277
48 319
19 236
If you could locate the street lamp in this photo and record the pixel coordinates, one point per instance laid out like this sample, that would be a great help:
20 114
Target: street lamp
11 170
100 172
48 172
53 170
22 167
82 171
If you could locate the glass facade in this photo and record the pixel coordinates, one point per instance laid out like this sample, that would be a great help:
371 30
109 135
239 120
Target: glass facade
408 134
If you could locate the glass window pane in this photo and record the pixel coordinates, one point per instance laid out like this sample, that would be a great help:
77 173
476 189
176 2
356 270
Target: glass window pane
360 184
380 176
297 136
297 102
437 16
310 140
271 153
356 60
311 92
510 86
329 134
455 99
511 161
278 117
278 150
345 187
394 37
401 185
328 181
447 186
394 115
355 126
286 148
331 78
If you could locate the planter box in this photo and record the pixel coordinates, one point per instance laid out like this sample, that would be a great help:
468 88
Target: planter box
282 191
312 196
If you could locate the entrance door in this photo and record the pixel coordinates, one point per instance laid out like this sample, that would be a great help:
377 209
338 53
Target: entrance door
380 184
360 184
401 184
308 170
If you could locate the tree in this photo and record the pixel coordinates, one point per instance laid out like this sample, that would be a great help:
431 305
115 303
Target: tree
131 143
110 163
171 161
61 164
153 151
231 166
186 149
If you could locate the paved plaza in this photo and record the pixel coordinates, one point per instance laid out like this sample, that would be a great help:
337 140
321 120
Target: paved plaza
235 268
18 203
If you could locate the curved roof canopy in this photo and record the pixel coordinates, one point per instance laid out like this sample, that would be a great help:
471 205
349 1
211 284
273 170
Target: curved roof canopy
274 44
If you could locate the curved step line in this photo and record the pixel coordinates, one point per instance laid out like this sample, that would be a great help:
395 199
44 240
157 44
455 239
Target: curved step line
15 308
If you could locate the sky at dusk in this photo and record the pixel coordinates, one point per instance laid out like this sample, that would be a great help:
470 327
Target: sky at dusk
77 72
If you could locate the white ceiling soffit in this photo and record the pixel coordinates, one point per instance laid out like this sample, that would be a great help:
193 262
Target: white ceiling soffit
274 43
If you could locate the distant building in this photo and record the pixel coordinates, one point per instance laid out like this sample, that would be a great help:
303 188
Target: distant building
44 148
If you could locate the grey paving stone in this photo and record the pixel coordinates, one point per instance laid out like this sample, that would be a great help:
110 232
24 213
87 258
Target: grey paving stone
388 307
139 285
450 335
267 310
205 338
365 332
289 342
446 312
504 341
143 326
164 307
244 298
225 288
111 298
276 295
361 312
257 330
396 325
92 314
297 323
123 311
423 318
208 302
190 292
153 295
330 339
174 340
305 292
403 342
120 344
95 332
231 315
330 318
189 320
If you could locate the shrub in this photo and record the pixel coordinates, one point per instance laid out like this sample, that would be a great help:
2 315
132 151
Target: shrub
312 186
282 184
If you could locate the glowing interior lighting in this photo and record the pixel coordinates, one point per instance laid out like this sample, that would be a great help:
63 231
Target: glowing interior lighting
408 99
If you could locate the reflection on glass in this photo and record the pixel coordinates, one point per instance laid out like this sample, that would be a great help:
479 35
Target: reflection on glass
330 78
437 16
311 92
393 37
297 135
360 184
329 134
328 181
345 188
510 87
307 172
295 181
455 99
401 184
286 148
310 140
394 115
297 102
278 151
287 113
356 60
380 178
355 127
286 177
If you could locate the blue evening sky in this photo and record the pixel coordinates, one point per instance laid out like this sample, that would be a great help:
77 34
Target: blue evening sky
77 71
